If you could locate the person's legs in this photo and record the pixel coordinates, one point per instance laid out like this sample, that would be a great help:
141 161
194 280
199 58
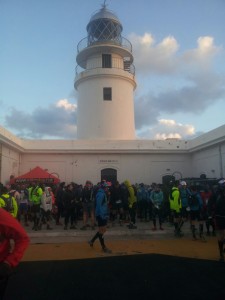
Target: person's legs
92 213
121 213
221 236
160 215
25 214
154 218
66 219
47 216
85 216
101 230
220 222
132 212
72 218
59 213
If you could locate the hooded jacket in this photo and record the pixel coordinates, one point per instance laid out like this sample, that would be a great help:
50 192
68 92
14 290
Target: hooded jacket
46 200
175 201
11 229
3 198
131 196
35 194
101 209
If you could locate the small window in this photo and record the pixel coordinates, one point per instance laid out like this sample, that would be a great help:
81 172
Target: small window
107 93
106 61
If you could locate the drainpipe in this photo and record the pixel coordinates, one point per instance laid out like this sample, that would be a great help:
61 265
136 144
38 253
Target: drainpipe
220 162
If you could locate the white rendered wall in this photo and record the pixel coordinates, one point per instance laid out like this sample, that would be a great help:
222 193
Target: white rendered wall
138 160
10 163
210 161
102 119
99 119
146 168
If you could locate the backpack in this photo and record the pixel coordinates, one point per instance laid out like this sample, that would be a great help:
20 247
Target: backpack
193 200
8 203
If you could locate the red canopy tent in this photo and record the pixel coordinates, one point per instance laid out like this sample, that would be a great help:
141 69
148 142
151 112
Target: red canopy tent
36 174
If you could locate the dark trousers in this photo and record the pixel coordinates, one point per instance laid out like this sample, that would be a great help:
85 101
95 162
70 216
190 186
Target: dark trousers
3 285
157 212
143 209
59 212
70 215
132 212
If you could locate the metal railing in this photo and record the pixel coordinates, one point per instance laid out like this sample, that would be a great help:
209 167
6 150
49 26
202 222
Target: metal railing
124 43
130 70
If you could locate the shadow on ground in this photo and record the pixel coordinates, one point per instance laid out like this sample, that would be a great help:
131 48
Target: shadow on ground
137 277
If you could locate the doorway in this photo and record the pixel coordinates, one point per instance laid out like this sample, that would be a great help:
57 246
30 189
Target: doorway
109 174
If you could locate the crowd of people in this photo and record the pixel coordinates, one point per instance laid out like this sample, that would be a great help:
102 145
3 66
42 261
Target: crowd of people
121 204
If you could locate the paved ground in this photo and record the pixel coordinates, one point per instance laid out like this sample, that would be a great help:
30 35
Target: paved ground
72 244
144 264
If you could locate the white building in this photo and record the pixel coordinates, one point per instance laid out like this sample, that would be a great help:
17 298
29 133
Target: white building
106 146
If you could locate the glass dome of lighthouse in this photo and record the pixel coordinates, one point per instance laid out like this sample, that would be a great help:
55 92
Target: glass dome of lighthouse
104 26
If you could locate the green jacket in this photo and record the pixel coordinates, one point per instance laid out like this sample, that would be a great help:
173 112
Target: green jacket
131 195
14 210
35 194
175 201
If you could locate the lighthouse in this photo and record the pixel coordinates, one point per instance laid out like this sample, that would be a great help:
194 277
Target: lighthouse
105 81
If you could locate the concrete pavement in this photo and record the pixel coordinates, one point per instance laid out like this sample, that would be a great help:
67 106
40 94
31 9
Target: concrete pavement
60 244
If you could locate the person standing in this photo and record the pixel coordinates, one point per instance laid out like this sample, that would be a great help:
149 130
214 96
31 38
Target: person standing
23 205
59 202
116 201
175 207
46 207
142 202
132 203
88 205
184 195
10 229
102 216
69 203
220 218
195 203
157 207
35 194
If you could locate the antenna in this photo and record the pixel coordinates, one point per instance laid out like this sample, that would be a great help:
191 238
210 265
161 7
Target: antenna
104 4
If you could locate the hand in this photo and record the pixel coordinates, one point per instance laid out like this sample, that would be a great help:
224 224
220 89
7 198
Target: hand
5 270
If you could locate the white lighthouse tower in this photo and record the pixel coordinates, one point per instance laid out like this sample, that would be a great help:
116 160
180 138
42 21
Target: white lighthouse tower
105 81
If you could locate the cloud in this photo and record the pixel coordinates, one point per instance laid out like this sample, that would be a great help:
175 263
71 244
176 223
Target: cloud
165 129
55 121
170 81
173 81
151 57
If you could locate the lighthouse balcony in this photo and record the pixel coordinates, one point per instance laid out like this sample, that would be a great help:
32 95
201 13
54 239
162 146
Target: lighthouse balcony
122 42
86 50
98 72
116 65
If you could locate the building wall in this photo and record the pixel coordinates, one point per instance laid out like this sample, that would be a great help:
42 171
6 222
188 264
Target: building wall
209 161
145 168
99 119
10 163
138 160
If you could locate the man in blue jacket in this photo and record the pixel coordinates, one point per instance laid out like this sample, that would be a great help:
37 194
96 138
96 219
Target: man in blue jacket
102 215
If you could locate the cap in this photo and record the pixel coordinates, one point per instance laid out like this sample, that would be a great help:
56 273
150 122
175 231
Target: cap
183 183
221 181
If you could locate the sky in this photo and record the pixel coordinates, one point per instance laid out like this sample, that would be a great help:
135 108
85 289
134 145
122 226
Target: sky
179 58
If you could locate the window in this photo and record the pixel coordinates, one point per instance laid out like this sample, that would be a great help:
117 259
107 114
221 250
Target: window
106 61
107 93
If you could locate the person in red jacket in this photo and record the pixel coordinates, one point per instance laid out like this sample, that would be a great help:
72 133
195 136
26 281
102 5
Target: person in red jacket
13 243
